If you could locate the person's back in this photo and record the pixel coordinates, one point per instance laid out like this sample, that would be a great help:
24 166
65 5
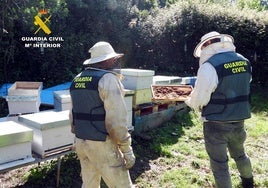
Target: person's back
230 100
87 107
99 121
221 93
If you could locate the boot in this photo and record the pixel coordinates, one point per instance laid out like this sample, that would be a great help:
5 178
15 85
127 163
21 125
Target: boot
247 182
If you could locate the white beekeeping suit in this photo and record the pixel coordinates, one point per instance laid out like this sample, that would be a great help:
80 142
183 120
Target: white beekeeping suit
111 157
207 78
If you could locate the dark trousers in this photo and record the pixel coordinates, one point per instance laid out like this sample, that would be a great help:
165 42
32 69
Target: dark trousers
223 136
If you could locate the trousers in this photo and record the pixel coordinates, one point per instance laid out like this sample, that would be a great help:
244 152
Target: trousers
221 137
102 160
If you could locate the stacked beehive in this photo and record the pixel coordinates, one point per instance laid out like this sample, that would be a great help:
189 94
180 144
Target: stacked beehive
51 131
62 100
140 81
15 143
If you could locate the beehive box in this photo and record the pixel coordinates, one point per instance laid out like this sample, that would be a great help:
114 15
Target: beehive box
129 100
62 100
51 131
142 96
23 104
137 79
15 142
24 97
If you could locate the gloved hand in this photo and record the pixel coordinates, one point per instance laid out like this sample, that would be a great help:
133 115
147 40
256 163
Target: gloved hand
123 139
72 128
129 159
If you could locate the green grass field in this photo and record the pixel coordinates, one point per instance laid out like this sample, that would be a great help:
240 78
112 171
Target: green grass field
180 159
174 157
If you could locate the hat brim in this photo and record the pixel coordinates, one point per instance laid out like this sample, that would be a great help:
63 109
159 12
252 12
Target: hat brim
101 58
226 38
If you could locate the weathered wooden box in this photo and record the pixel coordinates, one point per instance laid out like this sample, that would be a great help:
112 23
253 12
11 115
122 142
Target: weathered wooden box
148 117
52 131
62 100
15 142
136 79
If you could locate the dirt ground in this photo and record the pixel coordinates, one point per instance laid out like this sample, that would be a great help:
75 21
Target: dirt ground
13 178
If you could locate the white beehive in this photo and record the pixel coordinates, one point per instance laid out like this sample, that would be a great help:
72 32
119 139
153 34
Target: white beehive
136 79
129 100
62 100
24 97
15 142
23 104
52 131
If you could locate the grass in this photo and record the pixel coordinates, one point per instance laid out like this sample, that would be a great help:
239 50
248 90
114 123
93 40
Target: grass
175 155
179 145
181 149
187 160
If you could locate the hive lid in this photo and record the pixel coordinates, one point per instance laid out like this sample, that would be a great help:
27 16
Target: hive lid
45 120
13 133
62 96
137 72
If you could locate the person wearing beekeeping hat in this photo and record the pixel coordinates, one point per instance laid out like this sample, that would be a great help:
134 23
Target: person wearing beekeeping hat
99 121
222 93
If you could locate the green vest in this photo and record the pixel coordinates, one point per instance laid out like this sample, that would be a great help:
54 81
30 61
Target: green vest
88 109
231 99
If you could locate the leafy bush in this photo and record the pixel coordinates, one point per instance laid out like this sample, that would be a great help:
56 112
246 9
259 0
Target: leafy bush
153 34
165 40
46 173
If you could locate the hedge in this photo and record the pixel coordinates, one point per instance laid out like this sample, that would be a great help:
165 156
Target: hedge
165 40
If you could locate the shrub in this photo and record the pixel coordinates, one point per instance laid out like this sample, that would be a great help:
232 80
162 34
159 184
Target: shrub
166 38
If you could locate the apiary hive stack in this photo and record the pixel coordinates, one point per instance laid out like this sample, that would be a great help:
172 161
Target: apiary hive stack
140 81
15 142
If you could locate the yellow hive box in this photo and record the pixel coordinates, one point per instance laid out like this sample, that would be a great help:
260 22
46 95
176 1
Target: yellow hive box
142 96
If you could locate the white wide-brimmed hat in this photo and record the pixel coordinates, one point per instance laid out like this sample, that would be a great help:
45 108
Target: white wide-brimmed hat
101 51
210 36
